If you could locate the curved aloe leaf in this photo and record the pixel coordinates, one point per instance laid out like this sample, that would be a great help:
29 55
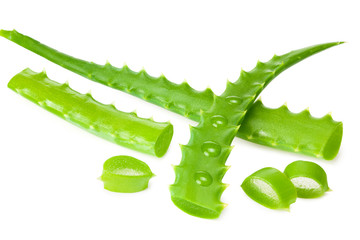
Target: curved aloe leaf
125 174
299 133
125 129
198 185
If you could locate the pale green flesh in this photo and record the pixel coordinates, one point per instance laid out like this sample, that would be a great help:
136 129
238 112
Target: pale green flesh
265 189
307 187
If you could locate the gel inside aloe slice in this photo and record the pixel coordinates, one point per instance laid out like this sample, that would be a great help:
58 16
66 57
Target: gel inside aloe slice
270 188
309 178
125 174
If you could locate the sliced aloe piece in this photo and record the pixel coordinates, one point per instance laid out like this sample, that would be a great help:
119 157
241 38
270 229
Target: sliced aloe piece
309 178
271 188
125 174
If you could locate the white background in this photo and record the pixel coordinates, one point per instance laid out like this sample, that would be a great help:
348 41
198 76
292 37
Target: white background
49 168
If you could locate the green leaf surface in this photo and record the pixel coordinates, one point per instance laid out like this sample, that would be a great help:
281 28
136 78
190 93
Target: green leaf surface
277 128
198 183
125 129
293 132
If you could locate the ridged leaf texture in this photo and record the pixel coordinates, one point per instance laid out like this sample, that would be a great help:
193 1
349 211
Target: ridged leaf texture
82 110
299 133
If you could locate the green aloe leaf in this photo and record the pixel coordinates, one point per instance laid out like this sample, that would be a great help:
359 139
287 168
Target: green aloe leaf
82 110
271 188
125 174
277 128
309 179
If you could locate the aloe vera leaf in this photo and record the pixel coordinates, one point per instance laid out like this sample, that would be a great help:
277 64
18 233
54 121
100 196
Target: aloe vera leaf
125 129
298 133
198 178
270 188
294 132
125 174
309 178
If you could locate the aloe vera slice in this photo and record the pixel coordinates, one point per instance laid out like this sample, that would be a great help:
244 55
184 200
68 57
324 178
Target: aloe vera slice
125 174
309 178
125 129
270 188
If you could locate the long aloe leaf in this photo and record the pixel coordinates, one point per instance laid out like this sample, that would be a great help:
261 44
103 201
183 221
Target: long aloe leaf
125 129
278 128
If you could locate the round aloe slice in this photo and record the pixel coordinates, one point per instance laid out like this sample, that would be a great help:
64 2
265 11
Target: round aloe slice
271 188
309 178
125 174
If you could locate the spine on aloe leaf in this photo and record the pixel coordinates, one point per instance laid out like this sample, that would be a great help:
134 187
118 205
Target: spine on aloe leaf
105 121
298 134
198 178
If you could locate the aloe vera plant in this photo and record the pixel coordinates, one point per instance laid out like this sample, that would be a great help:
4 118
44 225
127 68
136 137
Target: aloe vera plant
270 188
277 128
125 174
125 129
198 183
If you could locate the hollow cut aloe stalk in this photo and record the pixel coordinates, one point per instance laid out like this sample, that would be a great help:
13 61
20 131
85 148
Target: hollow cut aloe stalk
125 129
198 184
277 128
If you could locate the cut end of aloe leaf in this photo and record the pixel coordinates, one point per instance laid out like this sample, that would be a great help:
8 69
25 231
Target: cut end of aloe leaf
163 141
270 188
332 146
262 192
309 179
125 174
307 187
195 209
